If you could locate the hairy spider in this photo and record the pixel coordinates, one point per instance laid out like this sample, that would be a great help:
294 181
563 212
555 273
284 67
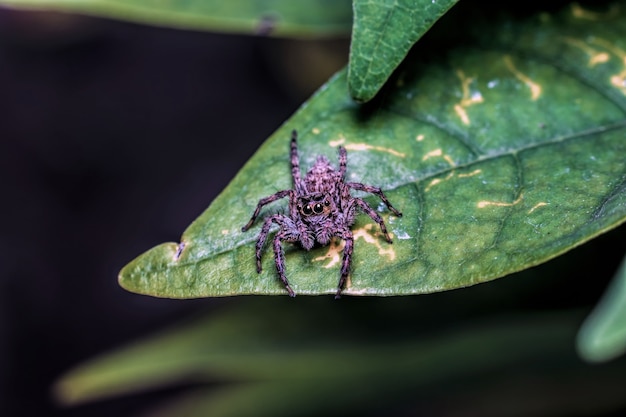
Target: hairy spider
320 208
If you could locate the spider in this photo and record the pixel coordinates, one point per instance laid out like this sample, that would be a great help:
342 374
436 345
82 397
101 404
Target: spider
320 208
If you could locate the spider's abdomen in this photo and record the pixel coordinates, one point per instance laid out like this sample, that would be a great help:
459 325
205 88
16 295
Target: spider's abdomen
322 177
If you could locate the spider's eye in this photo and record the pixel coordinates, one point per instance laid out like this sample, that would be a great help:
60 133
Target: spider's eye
317 208
307 210
326 203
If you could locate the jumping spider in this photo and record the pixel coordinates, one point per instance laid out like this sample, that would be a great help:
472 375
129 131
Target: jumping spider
320 208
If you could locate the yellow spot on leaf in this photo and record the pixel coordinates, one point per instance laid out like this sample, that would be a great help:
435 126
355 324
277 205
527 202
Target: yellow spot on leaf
335 143
365 234
437 181
315 131
364 147
439 153
619 81
595 57
419 138
535 89
333 255
483 204
615 50
225 232
616 80
460 111
536 206
468 98
448 159
470 174
436 152
600 58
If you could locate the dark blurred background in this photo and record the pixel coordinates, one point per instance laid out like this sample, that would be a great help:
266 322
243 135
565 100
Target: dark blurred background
114 137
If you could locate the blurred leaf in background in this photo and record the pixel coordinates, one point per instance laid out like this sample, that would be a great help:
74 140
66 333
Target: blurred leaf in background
603 335
299 19
273 357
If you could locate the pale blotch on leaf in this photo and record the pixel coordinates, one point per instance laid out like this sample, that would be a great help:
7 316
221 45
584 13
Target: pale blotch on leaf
618 80
535 88
437 181
595 57
364 147
438 153
365 233
536 206
470 174
468 98
483 204
333 254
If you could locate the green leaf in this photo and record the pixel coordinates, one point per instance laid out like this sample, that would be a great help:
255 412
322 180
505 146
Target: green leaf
382 34
503 153
603 335
302 18
307 354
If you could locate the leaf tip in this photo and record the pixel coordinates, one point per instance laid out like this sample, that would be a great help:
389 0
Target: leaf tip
360 92
136 275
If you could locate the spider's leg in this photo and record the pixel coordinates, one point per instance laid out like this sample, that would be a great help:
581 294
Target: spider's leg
263 237
279 258
374 190
375 216
295 160
284 234
298 185
263 202
343 161
347 237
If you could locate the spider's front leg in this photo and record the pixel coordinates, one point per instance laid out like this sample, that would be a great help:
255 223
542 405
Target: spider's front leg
279 258
286 233
260 242
374 190
374 216
262 202
348 238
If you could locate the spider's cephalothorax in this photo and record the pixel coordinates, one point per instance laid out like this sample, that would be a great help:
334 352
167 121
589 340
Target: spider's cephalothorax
320 208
